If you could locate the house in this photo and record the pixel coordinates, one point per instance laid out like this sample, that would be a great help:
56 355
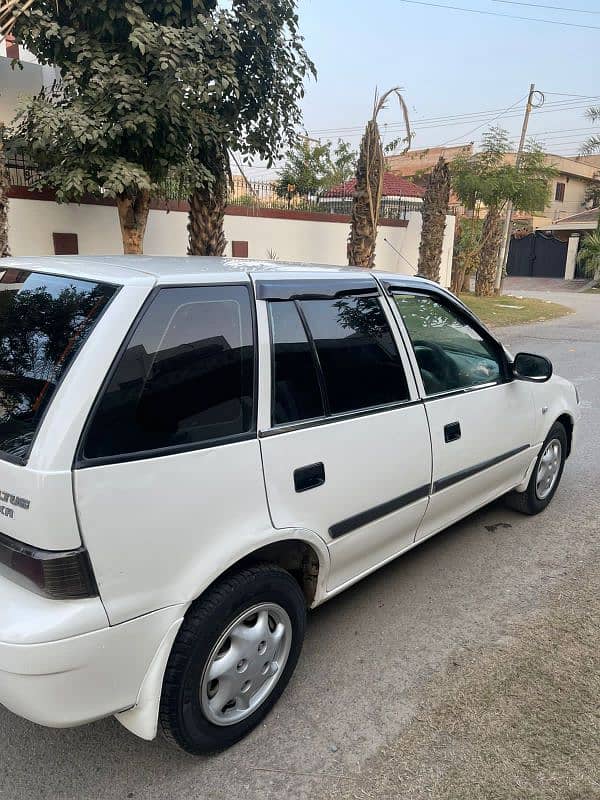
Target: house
22 81
567 192
398 196
568 189
417 164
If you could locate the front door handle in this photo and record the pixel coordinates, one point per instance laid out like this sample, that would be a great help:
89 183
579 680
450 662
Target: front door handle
309 477
452 432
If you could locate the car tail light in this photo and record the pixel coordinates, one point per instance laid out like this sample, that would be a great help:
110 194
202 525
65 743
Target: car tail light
59 575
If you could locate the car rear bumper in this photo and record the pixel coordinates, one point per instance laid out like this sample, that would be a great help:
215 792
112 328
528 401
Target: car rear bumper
81 678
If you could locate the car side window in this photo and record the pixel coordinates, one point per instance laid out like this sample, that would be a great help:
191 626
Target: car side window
332 357
185 379
296 393
356 352
451 353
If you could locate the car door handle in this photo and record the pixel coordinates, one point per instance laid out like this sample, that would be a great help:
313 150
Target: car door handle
309 477
452 432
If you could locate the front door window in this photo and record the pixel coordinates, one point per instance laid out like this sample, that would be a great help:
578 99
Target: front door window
451 354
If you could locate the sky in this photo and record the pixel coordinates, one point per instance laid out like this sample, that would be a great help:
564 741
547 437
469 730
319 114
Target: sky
448 63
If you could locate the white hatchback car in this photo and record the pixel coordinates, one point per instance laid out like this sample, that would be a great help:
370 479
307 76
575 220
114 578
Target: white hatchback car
194 451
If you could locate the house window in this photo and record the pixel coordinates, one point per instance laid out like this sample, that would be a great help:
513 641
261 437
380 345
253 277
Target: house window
239 249
560 192
12 48
65 244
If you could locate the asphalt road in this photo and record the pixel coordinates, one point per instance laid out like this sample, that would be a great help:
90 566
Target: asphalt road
370 651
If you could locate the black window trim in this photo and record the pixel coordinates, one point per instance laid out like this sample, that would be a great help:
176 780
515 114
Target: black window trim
329 416
341 416
316 288
464 314
22 462
81 462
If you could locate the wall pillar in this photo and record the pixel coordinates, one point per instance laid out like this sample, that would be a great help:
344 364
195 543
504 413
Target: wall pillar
571 256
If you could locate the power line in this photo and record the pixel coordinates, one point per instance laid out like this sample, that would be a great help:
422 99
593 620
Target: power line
484 123
505 16
541 5
455 119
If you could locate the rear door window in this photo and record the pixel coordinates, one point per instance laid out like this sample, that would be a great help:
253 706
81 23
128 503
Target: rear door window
185 379
356 352
296 391
44 320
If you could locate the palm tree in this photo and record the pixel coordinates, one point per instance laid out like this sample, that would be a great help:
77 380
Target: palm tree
207 209
589 254
592 145
435 208
4 248
369 185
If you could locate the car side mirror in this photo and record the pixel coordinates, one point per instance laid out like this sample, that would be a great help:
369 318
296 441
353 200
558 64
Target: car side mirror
531 367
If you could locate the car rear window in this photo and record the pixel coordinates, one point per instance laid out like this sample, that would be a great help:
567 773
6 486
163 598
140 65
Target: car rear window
44 320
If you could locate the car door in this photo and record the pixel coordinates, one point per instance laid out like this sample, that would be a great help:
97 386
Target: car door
169 470
481 421
344 439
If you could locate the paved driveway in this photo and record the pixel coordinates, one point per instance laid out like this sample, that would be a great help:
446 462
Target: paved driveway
369 651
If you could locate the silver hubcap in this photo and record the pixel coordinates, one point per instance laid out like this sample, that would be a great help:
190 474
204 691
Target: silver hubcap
245 664
548 468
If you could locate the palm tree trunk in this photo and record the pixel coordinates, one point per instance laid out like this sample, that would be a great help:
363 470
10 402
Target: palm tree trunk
485 279
207 219
435 208
133 217
4 247
366 201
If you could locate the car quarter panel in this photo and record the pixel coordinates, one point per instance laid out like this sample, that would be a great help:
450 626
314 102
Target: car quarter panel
160 530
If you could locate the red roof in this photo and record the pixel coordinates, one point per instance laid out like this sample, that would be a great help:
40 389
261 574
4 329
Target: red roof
393 186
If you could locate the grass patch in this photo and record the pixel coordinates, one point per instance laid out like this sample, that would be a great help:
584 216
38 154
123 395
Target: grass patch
519 720
507 310
593 289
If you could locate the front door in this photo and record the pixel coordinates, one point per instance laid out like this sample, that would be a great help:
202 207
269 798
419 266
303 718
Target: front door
344 440
481 423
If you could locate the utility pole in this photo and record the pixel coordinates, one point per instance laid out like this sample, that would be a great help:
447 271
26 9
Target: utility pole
503 258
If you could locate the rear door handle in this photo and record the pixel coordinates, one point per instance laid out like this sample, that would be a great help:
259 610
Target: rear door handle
452 432
309 477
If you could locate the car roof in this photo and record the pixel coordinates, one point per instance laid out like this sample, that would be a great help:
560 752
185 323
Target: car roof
190 269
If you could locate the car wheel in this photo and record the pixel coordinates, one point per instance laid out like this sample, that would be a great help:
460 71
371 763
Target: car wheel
233 656
546 474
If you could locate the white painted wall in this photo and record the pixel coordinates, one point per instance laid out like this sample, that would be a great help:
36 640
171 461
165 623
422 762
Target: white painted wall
32 223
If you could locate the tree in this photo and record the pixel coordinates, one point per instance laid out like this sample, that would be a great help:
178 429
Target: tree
149 87
466 252
366 202
255 113
592 192
4 248
312 168
488 178
306 168
118 120
435 208
589 254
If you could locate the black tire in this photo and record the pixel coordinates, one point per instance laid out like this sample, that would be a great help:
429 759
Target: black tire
528 502
181 715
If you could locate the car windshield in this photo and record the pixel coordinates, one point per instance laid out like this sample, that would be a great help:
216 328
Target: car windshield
44 320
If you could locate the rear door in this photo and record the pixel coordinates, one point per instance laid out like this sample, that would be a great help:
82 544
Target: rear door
344 439
481 422
168 481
